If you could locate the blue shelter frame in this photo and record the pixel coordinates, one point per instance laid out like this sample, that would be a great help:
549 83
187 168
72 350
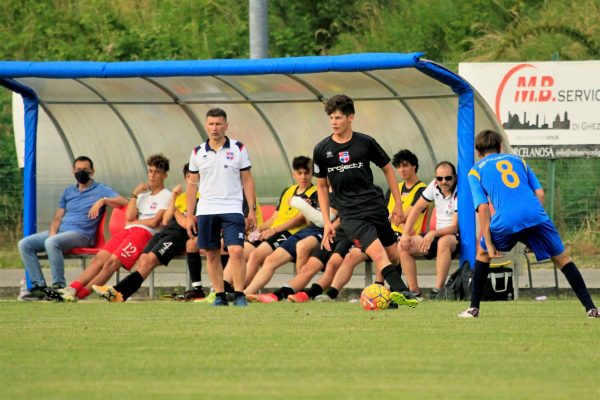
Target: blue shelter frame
10 71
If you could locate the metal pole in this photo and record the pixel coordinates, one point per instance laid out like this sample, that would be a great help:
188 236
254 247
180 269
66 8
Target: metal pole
259 28
550 202
551 183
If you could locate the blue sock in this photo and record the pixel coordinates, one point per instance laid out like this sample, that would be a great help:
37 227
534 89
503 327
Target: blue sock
575 279
480 274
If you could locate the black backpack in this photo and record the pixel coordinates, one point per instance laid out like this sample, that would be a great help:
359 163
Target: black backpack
458 286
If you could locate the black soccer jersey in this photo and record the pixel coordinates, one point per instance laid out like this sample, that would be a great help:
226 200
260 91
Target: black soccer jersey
347 166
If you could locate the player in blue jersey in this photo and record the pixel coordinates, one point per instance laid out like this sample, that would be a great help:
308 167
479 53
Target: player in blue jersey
507 183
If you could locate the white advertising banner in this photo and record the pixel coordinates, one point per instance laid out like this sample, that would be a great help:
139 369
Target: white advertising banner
547 109
19 127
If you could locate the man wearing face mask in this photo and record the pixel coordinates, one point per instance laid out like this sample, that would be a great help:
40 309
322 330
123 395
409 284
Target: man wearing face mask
74 225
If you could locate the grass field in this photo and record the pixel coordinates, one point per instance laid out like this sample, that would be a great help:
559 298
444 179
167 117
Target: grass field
168 350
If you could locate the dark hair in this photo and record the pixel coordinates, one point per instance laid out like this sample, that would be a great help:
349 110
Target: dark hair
84 158
186 169
453 168
159 161
488 141
341 103
301 162
405 156
448 163
216 112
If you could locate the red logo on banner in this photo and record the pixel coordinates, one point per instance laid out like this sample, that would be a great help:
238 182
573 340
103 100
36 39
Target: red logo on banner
536 89
530 89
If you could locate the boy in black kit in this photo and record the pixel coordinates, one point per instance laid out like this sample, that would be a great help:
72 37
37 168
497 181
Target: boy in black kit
342 160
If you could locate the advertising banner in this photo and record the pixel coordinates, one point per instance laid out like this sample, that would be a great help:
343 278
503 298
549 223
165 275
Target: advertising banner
19 127
547 109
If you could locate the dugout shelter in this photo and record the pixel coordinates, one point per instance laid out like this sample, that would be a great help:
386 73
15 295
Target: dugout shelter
121 112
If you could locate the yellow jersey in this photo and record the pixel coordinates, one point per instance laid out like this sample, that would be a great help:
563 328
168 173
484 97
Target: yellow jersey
285 212
408 199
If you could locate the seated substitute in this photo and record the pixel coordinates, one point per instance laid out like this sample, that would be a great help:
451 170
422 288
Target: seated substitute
507 183
320 259
296 248
410 188
440 243
343 275
145 210
285 221
170 242
75 224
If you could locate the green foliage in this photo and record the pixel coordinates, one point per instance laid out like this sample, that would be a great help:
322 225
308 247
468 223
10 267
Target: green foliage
319 351
448 31
558 29
482 30
122 30
309 27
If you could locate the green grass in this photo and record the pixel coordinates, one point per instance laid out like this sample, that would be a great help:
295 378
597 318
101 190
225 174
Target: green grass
155 350
10 258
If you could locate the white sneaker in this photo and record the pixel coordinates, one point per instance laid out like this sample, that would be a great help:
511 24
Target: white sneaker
323 298
469 313
68 294
23 291
593 313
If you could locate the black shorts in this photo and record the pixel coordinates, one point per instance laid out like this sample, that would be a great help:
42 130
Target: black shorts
432 253
341 247
274 240
364 230
168 243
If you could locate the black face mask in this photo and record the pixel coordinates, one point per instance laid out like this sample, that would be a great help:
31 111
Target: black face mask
82 177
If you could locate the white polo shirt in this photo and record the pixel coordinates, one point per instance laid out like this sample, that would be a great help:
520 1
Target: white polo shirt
149 205
220 181
445 207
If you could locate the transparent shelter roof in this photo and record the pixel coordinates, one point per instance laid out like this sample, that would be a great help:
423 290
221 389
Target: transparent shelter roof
120 121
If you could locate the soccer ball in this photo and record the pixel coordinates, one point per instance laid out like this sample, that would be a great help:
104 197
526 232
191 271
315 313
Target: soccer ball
375 297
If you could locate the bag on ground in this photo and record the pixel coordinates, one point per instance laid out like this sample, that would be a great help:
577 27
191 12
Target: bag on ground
499 285
458 286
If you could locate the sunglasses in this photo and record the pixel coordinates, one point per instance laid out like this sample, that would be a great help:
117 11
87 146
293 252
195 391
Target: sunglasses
444 178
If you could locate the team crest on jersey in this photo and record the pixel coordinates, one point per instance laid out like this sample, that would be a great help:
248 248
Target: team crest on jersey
154 206
344 156
229 155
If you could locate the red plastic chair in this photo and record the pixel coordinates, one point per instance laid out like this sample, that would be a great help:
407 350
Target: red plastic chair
117 221
267 211
100 240
433 220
